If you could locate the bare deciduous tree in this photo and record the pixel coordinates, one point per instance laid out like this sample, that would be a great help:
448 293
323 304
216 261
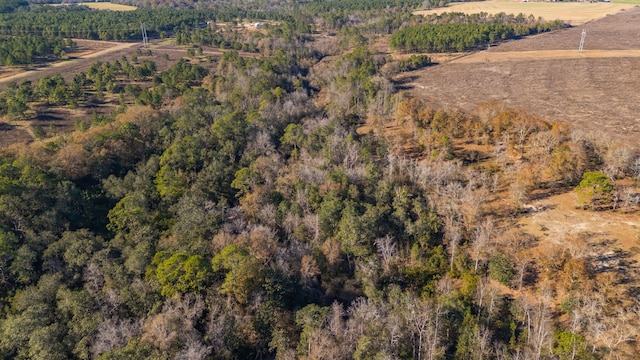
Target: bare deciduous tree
424 321
194 350
482 237
113 334
387 249
176 322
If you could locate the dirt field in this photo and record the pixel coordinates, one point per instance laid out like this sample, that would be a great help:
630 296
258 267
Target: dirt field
594 91
560 215
107 6
573 12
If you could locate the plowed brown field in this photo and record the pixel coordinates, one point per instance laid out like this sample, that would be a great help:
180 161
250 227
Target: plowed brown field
597 90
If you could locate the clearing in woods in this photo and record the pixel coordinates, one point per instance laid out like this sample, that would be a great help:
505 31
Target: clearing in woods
574 13
610 240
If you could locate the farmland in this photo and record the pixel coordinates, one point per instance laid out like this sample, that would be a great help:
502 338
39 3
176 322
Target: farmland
108 6
93 50
104 6
574 13
593 91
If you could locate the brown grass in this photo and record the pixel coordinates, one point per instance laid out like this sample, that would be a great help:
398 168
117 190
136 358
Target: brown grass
561 216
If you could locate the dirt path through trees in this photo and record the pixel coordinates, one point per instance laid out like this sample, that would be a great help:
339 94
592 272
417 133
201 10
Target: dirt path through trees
69 66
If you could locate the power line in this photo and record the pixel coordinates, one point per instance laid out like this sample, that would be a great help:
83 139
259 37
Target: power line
145 41
584 34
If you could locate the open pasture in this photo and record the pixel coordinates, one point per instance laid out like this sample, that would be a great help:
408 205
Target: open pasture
574 13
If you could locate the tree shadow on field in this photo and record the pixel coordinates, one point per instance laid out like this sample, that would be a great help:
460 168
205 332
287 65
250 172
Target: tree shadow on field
531 274
6 127
618 261
47 118
549 191
404 82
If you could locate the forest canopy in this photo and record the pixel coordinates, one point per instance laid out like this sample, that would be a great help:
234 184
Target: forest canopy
293 202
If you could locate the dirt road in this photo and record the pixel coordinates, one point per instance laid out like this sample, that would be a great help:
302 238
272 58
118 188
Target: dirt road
107 51
70 67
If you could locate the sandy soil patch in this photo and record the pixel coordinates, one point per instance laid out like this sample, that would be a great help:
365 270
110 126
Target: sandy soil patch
610 240
7 73
574 13
560 216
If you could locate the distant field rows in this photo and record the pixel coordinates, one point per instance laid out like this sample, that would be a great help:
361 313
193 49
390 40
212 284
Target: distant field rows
574 13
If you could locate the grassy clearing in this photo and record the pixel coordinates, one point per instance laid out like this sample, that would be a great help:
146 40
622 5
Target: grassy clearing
574 13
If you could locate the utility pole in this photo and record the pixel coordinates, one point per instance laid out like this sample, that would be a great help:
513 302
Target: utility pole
145 40
584 34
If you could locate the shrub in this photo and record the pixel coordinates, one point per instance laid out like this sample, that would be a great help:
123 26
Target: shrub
501 269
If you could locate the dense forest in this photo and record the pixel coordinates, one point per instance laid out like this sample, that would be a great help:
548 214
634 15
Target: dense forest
296 204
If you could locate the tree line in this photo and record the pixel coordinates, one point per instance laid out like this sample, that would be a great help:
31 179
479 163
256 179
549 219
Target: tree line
328 6
82 22
458 32
27 49
214 38
9 6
